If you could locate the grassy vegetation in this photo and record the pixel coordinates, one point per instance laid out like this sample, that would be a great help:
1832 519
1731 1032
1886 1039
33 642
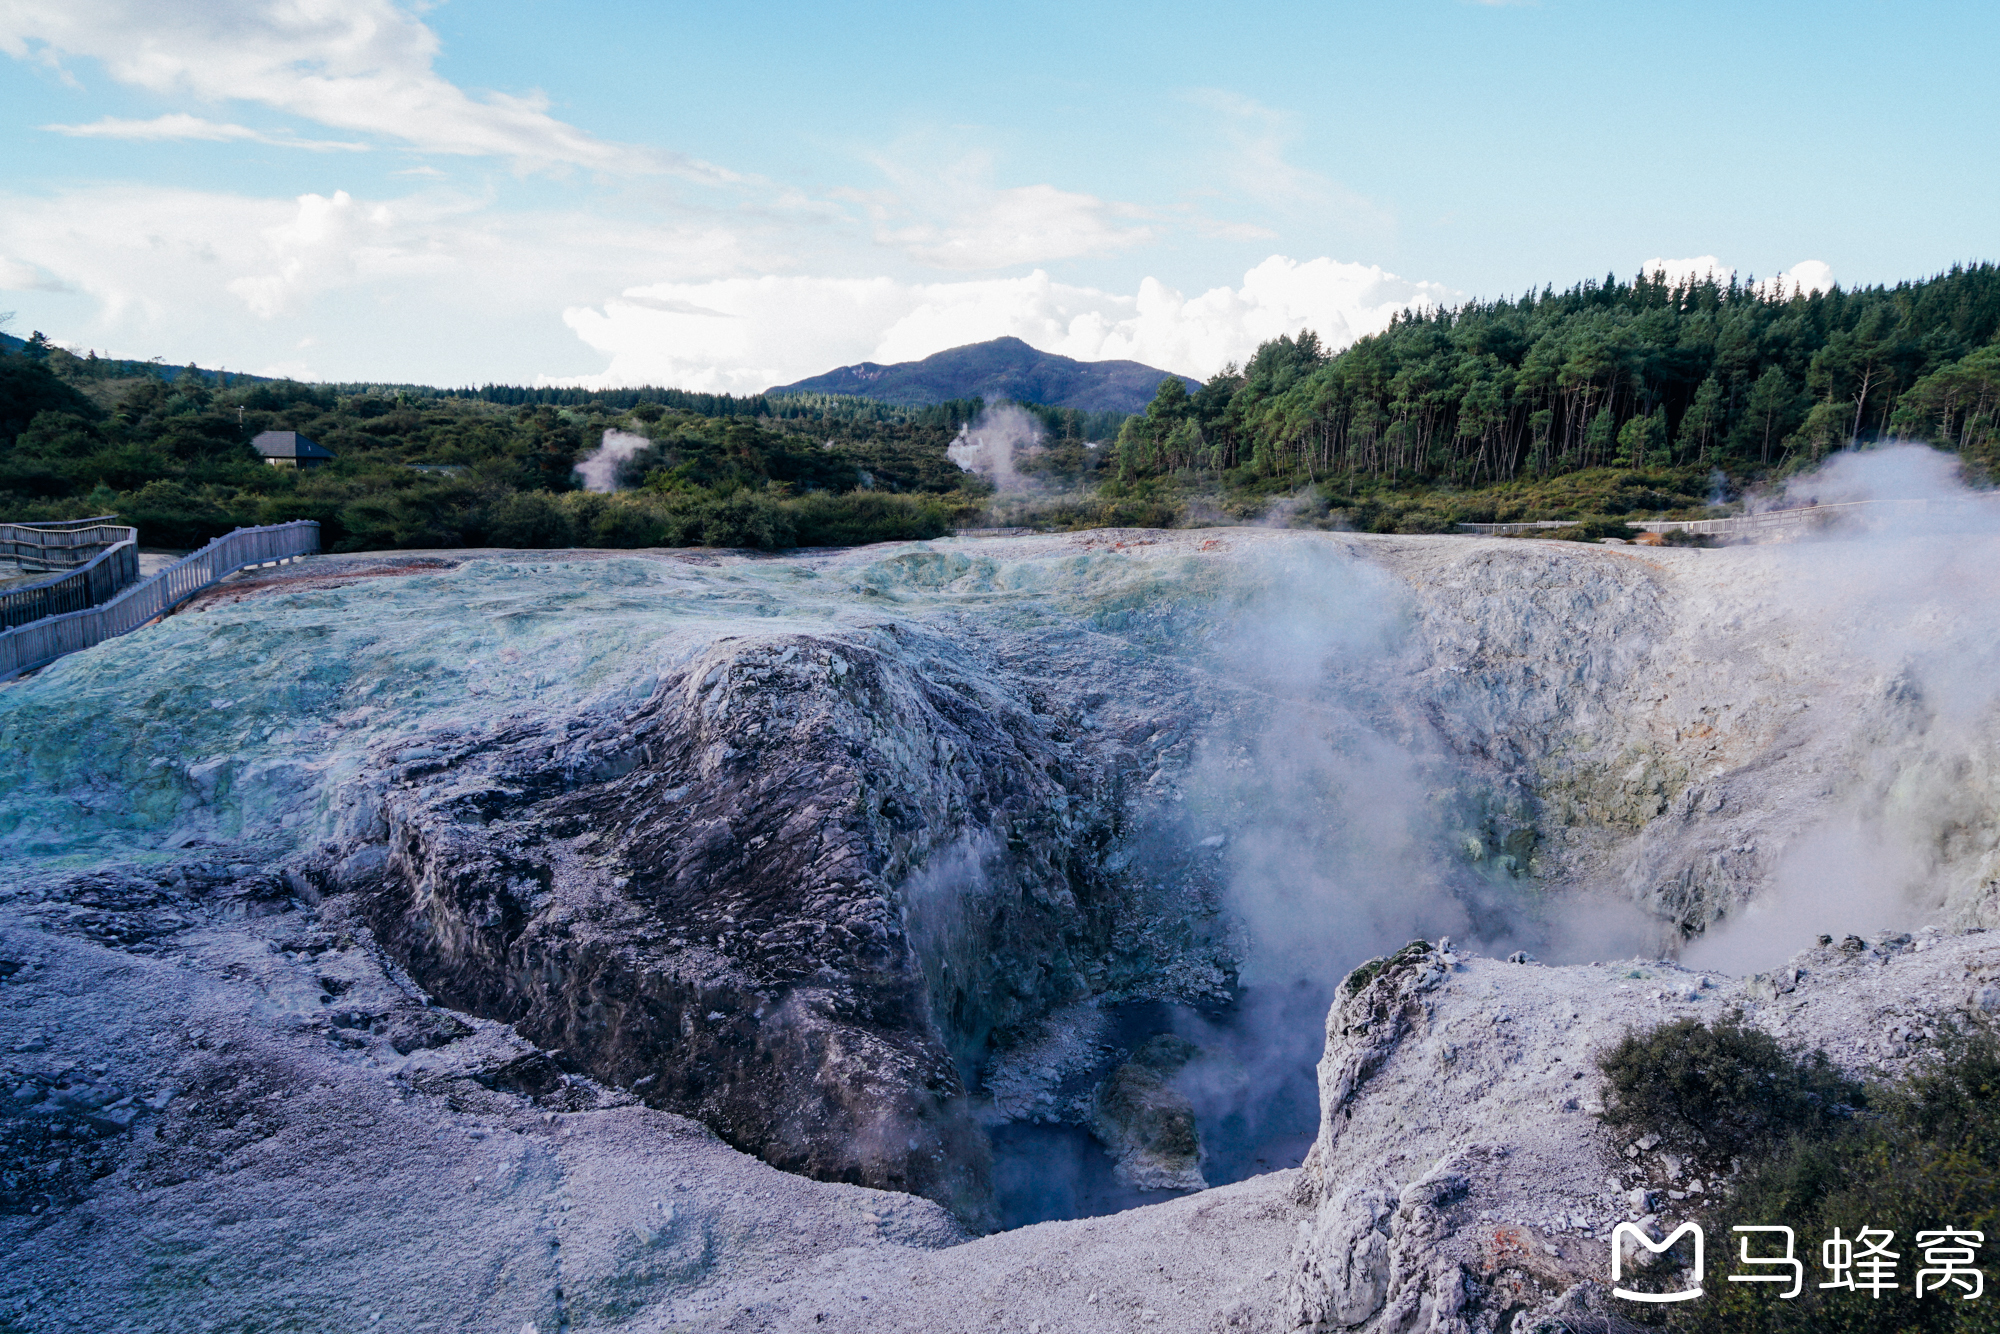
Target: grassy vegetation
1818 1152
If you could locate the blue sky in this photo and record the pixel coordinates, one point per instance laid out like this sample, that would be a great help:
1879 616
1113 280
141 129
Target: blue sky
725 197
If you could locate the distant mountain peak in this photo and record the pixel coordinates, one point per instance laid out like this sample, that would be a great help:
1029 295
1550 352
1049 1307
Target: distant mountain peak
1004 367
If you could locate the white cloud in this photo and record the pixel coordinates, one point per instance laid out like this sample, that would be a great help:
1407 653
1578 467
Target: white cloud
1808 277
1680 270
1811 276
445 287
16 276
740 335
956 218
362 65
433 286
179 126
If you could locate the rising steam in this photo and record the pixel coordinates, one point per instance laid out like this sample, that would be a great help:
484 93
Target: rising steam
991 445
599 469
1900 599
1331 849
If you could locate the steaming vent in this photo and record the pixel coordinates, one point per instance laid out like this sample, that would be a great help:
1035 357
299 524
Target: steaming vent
600 469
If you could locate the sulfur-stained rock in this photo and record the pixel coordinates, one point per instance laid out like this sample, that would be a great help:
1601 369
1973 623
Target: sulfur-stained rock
1148 1125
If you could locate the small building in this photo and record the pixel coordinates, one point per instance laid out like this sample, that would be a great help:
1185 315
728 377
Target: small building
289 449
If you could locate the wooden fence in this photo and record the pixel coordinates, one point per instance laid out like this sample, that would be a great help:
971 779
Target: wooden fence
61 544
40 642
110 571
1515 529
1801 516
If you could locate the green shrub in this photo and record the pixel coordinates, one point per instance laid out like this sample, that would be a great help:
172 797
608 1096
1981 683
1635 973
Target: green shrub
1725 1089
174 515
745 519
1592 528
868 516
1819 1152
1926 1156
530 519
1678 537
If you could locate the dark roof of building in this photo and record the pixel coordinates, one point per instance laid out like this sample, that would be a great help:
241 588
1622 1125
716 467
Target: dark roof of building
288 445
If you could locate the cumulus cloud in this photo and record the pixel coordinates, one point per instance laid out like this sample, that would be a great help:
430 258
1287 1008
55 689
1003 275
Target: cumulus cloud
179 126
741 335
1811 276
432 285
362 65
1807 277
446 287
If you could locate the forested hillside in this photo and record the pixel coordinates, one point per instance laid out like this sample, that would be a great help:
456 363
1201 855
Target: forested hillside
1603 401
1000 368
1648 376
421 467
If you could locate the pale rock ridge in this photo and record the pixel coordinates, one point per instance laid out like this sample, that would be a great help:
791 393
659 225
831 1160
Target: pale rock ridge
469 769
1461 1176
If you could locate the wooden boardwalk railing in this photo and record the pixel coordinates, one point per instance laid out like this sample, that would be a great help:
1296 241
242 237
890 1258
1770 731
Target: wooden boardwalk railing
61 544
40 642
96 571
1811 516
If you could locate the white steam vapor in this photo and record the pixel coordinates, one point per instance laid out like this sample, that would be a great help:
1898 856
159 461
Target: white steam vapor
990 444
1897 608
1332 846
599 469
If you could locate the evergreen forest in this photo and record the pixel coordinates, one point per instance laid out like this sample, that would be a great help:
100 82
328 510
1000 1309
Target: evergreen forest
1646 394
1607 400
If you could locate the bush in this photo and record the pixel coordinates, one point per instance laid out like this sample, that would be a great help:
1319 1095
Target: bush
1723 1090
1818 1152
173 515
1592 528
868 516
530 519
27 390
1926 1156
745 519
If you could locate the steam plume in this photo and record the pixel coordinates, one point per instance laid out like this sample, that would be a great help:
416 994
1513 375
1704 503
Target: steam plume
1899 602
989 445
599 469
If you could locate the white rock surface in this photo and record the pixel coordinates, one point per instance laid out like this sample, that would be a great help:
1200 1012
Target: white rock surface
1460 1172
1584 730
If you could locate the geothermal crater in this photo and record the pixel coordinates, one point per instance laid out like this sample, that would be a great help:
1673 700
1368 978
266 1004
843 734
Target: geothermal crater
1013 875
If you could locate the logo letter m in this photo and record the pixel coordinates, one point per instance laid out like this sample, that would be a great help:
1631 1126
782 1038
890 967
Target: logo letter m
1618 1235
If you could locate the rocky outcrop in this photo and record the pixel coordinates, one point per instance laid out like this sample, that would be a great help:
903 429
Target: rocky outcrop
1148 1125
1461 1177
793 845
782 894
